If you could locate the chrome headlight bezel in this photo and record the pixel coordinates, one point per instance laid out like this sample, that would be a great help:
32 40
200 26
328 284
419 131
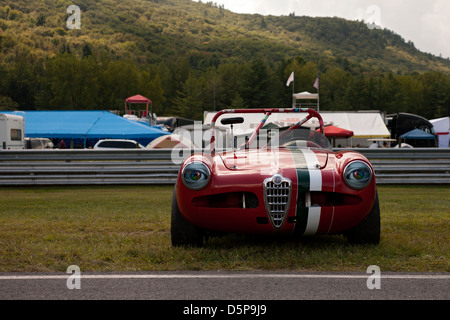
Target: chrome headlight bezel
353 181
198 167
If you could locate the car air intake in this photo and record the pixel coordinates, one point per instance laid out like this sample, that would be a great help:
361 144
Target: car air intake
277 197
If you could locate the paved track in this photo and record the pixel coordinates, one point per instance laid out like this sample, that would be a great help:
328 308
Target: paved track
236 286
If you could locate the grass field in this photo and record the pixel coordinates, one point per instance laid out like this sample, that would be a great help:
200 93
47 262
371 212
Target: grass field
128 229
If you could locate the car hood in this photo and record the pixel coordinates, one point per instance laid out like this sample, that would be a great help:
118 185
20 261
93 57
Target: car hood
282 157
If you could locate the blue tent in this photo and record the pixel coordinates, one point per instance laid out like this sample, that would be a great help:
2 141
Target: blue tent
418 134
86 127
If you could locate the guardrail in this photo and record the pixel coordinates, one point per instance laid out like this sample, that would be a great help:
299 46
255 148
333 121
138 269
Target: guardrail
410 166
82 167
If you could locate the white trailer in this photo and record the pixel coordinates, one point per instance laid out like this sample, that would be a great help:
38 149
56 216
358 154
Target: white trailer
12 131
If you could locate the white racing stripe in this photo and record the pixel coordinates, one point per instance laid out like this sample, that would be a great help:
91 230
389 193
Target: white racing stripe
313 221
315 184
315 175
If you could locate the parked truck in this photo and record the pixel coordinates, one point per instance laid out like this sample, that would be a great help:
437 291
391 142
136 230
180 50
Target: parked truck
12 131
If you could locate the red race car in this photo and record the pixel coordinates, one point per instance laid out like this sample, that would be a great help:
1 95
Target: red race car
292 183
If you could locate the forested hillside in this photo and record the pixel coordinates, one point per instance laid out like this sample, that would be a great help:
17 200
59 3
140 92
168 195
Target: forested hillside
188 57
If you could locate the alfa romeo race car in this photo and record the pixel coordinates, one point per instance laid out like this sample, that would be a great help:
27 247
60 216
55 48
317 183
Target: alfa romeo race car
290 183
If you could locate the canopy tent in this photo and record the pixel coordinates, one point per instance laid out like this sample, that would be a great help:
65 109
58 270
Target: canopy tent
442 128
270 126
417 134
138 99
86 127
364 124
306 95
171 141
333 132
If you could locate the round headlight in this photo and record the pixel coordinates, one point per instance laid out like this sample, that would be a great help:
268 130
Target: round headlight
195 175
357 175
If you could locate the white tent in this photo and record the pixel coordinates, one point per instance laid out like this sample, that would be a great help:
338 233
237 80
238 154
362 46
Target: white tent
442 128
171 141
306 95
364 124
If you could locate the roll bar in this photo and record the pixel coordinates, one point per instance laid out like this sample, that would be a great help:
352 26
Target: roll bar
267 112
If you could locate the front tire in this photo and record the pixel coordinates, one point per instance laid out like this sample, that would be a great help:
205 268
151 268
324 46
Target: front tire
368 231
183 233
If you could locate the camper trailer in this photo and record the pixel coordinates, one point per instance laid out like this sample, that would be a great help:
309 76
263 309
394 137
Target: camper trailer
12 129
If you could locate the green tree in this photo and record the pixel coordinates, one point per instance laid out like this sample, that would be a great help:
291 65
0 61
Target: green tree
118 81
392 94
173 77
73 82
19 82
357 94
436 95
304 74
255 88
6 103
230 82
40 20
411 93
333 86
213 89
150 86
190 101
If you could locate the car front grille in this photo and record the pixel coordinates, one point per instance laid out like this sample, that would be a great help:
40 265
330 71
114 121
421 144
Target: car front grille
277 197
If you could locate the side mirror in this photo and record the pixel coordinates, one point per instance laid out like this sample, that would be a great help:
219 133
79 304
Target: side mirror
232 120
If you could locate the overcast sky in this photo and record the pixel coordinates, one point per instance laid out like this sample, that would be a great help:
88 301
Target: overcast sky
424 22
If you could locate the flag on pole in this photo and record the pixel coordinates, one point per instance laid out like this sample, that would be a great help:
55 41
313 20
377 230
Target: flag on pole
291 78
316 83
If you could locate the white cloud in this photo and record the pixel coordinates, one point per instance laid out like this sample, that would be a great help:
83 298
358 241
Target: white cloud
424 22
435 33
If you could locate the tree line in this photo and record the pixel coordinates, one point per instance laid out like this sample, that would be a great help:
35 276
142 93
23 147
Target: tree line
186 87
190 57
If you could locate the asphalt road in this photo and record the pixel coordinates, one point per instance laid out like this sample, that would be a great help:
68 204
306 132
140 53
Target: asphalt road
236 286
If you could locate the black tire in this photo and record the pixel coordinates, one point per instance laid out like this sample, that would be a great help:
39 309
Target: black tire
368 231
183 233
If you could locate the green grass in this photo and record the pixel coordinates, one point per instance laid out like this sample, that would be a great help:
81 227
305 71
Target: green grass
128 229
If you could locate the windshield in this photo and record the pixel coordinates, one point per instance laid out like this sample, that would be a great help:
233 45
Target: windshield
300 137
270 134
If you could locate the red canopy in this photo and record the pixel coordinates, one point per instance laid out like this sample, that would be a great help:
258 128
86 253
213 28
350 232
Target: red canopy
138 99
332 131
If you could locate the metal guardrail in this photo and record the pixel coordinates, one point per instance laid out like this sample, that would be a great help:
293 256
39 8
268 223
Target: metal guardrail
409 166
82 167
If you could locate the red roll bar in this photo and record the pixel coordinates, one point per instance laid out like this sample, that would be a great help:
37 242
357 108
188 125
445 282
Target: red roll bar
267 112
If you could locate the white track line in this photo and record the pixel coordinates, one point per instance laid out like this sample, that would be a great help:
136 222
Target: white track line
228 276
